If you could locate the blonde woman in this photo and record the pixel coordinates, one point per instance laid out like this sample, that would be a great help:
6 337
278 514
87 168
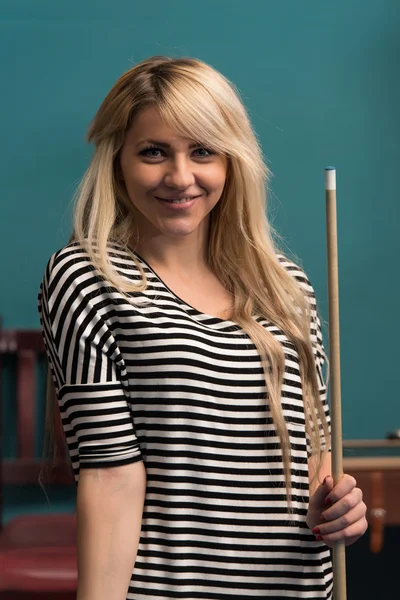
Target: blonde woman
186 354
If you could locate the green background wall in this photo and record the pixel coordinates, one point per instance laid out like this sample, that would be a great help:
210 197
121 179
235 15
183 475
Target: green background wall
321 82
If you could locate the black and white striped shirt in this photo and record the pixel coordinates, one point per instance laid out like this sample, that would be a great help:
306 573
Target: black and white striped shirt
184 392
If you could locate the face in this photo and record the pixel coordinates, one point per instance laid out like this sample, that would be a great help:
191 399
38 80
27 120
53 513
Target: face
159 166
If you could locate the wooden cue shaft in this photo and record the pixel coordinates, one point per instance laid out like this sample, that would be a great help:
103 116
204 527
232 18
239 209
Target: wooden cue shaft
339 555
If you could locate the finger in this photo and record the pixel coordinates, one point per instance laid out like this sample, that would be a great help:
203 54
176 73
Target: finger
318 498
342 523
348 535
343 506
343 487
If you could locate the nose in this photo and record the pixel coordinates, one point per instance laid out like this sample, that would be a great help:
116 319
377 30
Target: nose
179 173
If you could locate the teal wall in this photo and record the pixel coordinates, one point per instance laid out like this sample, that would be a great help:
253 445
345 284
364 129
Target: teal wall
321 82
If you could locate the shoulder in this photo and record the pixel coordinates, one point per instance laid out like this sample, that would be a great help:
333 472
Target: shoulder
70 276
304 283
72 262
297 273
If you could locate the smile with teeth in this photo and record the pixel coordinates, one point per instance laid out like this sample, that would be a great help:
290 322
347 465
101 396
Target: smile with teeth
180 201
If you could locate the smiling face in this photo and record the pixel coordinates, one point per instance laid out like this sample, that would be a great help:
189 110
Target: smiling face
158 166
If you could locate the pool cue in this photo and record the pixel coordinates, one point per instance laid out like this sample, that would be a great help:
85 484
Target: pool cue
339 550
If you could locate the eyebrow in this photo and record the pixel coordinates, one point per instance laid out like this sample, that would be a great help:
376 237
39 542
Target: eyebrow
163 144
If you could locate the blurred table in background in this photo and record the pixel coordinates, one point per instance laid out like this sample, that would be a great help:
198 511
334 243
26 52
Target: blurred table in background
375 464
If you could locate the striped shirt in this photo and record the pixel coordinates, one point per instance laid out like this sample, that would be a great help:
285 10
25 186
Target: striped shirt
183 391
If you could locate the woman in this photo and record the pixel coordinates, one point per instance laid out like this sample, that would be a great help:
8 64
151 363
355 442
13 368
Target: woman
187 357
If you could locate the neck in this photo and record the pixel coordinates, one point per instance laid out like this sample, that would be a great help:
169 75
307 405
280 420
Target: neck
186 255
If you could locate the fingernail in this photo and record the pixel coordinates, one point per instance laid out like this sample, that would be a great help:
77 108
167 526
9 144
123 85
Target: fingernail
328 502
324 481
316 530
319 538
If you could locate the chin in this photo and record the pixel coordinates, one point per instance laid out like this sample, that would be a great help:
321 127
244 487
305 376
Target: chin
180 227
178 232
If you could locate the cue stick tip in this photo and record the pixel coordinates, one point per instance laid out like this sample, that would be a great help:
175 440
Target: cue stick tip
330 178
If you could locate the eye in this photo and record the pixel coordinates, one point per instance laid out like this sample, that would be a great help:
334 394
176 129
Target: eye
151 152
202 149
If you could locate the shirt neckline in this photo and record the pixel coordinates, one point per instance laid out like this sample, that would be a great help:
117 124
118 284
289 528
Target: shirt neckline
234 327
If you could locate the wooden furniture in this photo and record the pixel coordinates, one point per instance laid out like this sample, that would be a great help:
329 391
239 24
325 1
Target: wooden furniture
37 551
379 479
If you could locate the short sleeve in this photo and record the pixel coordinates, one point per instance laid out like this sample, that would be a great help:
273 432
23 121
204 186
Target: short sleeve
315 337
319 354
86 364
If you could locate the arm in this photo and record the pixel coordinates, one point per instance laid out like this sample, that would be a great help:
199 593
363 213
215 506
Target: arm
325 470
109 515
93 392
337 512
317 345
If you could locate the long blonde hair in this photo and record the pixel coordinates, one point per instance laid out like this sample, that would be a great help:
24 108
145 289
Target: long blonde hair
200 103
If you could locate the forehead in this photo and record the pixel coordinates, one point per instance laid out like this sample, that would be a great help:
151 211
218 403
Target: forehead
149 124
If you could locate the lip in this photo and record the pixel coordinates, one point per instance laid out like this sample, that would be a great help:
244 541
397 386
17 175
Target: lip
173 206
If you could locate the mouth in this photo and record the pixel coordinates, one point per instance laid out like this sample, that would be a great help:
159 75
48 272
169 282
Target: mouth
178 202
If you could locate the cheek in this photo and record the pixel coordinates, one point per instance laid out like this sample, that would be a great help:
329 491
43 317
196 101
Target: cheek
215 176
142 177
221 170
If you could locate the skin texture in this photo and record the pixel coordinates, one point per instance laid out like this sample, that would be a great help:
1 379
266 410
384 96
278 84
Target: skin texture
174 239
337 512
174 243
109 517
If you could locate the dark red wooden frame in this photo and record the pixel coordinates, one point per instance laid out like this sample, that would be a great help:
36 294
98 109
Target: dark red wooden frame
34 544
